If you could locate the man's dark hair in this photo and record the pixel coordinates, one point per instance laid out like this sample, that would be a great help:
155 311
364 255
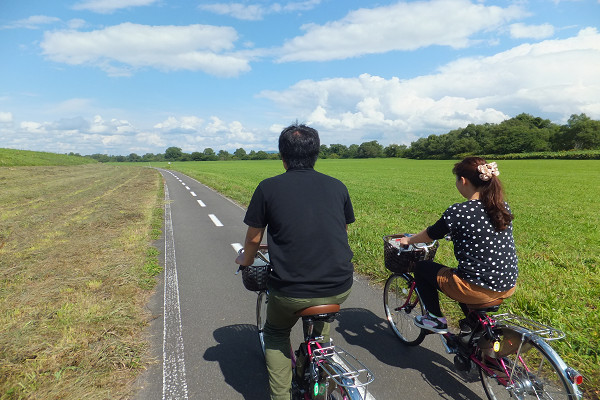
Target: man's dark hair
299 146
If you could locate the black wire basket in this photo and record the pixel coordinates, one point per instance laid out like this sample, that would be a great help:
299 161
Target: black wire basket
401 260
254 277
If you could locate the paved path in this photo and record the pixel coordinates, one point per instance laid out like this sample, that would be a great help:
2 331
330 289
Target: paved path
205 340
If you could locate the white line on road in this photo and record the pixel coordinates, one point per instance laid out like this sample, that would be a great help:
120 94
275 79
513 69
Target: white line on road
193 194
237 246
215 220
187 187
174 380
201 203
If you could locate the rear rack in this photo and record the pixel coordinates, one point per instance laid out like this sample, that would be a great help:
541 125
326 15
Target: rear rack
543 331
356 374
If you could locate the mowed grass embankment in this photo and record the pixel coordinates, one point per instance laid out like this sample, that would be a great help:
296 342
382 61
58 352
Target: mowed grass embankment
556 205
12 158
76 271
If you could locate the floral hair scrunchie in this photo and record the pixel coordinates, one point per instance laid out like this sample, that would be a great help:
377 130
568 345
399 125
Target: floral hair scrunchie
487 171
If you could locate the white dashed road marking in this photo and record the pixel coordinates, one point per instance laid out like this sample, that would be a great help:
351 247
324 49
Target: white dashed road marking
215 220
237 246
201 203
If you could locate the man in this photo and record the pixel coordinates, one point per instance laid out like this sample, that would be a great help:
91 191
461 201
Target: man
306 215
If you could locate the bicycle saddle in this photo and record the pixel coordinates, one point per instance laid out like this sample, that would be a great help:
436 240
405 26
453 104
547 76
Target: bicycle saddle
320 312
491 306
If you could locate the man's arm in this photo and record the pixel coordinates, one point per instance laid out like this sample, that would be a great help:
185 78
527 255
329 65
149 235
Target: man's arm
253 238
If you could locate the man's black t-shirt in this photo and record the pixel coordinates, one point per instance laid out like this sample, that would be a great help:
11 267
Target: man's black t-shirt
305 213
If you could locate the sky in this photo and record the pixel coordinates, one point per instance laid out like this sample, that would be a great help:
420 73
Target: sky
138 76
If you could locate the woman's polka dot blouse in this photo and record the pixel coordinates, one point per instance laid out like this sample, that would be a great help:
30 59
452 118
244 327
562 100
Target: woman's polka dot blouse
485 257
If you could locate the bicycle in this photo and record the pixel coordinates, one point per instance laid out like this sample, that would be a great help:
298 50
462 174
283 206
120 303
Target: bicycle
319 371
511 353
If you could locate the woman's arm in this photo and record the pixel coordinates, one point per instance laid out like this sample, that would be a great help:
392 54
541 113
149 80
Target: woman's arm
421 237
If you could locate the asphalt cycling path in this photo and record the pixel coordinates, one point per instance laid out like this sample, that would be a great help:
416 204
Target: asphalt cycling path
204 335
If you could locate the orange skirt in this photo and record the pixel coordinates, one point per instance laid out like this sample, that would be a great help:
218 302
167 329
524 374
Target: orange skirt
465 292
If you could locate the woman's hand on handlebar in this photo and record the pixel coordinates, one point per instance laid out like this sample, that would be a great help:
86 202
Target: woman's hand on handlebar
421 237
404 241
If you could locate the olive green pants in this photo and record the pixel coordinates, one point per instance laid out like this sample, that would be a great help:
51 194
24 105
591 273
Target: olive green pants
281 319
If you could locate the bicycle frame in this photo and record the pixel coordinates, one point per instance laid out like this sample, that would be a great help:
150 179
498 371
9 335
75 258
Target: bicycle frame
486 323
350 376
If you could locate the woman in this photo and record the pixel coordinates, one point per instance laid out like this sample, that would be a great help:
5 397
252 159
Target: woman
481 230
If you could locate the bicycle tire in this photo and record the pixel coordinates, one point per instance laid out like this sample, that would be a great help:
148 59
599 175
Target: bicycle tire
261 317
538 371
401 320
334 391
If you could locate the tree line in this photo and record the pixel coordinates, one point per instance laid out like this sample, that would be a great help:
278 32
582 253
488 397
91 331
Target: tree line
521 134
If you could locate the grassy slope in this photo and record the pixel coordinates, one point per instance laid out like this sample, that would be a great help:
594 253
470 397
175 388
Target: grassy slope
12 158
75 274
557 233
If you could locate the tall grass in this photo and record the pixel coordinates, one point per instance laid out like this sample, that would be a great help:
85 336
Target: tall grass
556 204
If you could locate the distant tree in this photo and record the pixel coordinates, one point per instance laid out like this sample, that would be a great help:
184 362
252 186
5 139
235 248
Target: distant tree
464 146
103 158
133 158
224 155
240 154
338 150
173 153
120 158
261 155
324 151
394 150
580 133
352 151
370 149
197 156
209 155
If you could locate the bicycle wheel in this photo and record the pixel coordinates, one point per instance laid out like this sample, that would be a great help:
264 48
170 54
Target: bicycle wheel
402 304
534 374
261 316
333 391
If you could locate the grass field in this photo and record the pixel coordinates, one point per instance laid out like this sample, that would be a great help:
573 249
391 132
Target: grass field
12 158
76 269
556 205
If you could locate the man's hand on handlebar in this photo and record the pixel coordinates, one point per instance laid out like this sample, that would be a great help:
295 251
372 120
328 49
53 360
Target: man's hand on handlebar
241 260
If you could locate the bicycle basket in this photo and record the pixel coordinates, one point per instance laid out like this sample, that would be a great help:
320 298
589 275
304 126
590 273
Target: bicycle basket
254 277
400 260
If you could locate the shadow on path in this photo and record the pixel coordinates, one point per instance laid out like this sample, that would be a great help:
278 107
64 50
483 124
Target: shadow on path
241 360
360 327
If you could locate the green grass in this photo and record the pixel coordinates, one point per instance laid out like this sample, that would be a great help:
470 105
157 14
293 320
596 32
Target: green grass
556 205
14 158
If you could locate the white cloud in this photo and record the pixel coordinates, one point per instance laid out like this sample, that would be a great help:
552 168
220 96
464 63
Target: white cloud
401 26
99 125
109 6
6 117
122 48
182 124
33 127
33 22
256 12
559 77
522 31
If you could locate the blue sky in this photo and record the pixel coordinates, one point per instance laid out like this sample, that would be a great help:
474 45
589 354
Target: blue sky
138 76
